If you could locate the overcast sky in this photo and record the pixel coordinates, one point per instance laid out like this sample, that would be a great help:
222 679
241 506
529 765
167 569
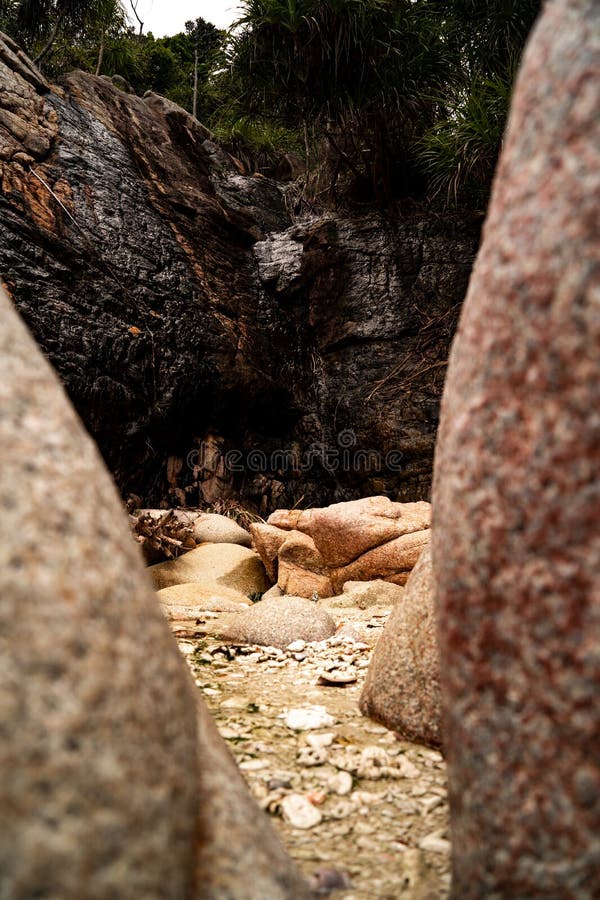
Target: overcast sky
169 16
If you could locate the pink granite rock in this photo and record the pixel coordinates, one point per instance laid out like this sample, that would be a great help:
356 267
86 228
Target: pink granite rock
319 550
392 561
344 531
115 782
266 540
402 690
302 571
517 496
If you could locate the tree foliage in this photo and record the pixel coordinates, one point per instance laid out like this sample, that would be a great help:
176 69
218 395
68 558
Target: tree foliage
382 99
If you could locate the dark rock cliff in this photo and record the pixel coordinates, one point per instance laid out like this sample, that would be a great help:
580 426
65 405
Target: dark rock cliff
212 346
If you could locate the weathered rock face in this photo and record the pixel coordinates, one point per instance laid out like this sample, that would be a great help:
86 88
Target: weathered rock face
116 781
517 496
187 317
402 690
319 550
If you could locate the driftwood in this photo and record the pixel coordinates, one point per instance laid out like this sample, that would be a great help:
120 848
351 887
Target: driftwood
163 536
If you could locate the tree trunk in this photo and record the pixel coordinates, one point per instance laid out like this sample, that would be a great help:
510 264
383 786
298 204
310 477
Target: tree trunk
195 99
101 51
48 45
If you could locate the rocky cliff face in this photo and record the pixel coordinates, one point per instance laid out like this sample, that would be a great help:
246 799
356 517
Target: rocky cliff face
213 346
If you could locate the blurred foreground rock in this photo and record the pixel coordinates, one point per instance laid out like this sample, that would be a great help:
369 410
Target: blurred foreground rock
111 787
517 496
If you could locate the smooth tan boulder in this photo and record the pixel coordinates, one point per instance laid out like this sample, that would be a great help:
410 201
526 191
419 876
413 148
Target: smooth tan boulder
115 781
216 529
402 690
186 601
365 594
226 565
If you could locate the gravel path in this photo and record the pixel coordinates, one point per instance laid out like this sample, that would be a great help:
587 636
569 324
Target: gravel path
358 810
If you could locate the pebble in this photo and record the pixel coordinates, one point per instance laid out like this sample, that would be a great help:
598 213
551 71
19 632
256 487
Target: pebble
340 810
435 843
340 783
299 812
366 798
234 703
308 718
407 769
428 804
325 739
278 784
312 756
338 677
253 765
296 646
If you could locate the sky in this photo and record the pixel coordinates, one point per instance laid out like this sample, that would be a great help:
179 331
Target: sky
163 17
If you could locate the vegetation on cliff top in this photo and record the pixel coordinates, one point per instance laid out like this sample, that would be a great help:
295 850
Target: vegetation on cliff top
372 100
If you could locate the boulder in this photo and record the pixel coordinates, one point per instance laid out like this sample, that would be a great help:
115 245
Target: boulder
301 569
117 783
183 601
517 495
364 594
215 529
279 622
402 690
273 592
220 565
392 561
266 540
344 531
373 537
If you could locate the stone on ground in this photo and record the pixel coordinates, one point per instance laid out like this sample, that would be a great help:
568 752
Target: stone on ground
517 495
279 622
364 594
216 529
113 787
186 601
223 565
402 690
315 551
